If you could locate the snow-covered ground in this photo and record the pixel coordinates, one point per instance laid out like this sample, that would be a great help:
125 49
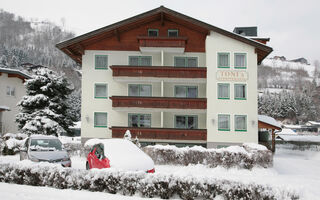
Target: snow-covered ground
293 170
25 192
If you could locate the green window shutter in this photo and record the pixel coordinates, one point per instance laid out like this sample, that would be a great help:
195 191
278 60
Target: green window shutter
223 60
223 122
134 60
240 60
192 62
153 32
101 62
240 92
100 119
173 33
223 91
145 61
101 91
240 122
179 61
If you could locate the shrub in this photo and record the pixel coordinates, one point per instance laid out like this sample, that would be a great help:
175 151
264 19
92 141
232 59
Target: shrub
246 156
130 183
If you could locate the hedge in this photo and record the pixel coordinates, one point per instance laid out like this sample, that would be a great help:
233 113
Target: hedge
246 156
135 183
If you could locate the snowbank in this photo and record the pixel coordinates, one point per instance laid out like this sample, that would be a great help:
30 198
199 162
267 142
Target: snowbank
143 184
246 156
286 131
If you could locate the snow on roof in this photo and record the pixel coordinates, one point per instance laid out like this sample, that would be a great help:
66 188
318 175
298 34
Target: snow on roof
4 108
314 123
14 71
38 136
286 131
269 120
291 126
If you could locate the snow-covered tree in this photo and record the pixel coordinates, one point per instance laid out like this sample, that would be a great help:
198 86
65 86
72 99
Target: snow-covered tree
44 109
74 102
127 135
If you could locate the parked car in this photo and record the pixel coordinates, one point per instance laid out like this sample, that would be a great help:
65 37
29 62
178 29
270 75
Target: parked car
117 153
40 148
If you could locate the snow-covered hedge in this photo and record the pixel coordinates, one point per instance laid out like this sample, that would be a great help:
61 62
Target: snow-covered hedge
139 183
246 156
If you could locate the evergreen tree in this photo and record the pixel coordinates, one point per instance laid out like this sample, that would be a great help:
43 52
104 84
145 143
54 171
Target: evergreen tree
44 109
74 102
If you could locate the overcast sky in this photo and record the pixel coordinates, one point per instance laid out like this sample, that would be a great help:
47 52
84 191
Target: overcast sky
292 25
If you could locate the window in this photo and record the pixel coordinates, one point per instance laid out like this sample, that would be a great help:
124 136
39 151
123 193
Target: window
240 91
185 61
186 91
223 60
140 90
223 91
101 91
139 120
101 61
153 32
100 119
224 122
11 91
140 60
173 33
240 61
186 122
240 122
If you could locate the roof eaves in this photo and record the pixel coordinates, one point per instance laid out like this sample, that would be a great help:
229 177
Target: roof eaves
13 71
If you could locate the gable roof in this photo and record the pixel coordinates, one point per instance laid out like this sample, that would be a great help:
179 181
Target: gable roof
75 49
15 73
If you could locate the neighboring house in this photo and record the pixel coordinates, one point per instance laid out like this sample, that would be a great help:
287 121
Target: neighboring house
11 92
168 78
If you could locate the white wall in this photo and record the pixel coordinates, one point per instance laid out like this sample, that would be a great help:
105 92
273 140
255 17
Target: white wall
8 117
219 43
90 76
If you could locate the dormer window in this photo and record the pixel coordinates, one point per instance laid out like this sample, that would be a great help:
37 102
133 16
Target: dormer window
173 33
153 32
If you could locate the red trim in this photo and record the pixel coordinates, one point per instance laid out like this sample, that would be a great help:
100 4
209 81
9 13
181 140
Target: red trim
159 102
161 133
159 71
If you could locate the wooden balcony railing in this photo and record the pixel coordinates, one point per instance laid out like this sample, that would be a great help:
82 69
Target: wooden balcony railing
146 41
158 71
159 102
161 133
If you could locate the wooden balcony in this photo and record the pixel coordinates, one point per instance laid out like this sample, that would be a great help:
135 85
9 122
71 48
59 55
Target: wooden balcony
171 42
161 133
158 71
159 102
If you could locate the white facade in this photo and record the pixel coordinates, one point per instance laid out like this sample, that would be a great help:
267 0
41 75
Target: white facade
207 119
10 100
216 43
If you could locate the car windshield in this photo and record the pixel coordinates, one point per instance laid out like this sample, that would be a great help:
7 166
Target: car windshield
45 145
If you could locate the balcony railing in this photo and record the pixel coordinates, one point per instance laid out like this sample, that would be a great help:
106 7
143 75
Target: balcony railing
161 133
159 102
158 71
178 42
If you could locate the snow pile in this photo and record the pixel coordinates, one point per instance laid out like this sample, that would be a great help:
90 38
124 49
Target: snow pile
286 131
123 154
246 156
133 183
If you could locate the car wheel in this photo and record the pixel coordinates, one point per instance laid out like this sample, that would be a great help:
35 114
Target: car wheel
87 166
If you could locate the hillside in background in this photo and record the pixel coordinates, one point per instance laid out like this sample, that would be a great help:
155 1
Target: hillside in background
23 41
289 89
26 43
